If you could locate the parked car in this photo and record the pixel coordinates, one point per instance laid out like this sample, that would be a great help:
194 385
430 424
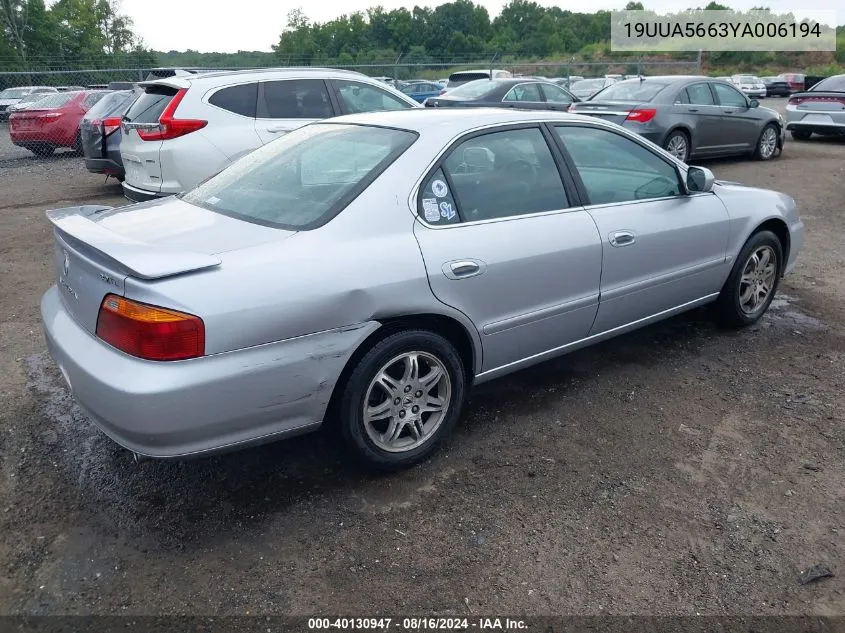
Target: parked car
183 129
819 110
419 91
776 87
566 82
29 101
100 133
368 271
11 96
465 76
690 117
53 123
749 85
795 81
506 93
586 88
70 88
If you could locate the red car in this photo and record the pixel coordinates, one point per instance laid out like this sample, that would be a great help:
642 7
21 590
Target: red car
795 81
52 122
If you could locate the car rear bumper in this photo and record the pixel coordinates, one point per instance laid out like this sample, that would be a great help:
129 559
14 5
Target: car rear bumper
210 404
104 166
141 195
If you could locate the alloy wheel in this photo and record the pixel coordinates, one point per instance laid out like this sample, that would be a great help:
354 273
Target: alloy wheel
757 280
677 146
768 142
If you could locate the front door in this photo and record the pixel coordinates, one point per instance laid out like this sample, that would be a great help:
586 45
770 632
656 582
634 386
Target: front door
284 106
662 248
502 244
739 120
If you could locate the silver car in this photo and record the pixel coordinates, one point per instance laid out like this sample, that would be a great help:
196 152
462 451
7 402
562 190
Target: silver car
691 117
366 271
819 110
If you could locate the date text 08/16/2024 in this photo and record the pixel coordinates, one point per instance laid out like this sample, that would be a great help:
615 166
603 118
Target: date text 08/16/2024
416 624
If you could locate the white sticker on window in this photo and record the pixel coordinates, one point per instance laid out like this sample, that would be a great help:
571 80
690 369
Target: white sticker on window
213 200
447 211
439 189
430 210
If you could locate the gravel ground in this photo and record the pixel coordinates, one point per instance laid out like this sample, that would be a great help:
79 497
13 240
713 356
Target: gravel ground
677 470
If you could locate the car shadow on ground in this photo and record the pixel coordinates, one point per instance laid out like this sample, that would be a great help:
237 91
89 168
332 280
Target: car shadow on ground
171 499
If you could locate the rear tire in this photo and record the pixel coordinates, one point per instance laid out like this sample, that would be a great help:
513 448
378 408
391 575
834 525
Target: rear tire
411 412
801 135
753 281
678 144
42 151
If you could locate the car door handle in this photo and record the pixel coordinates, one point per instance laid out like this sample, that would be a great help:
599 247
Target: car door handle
276 130
692 110
728 111
622 238
464 268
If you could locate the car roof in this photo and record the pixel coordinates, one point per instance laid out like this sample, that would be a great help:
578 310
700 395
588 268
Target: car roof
455 120
184 81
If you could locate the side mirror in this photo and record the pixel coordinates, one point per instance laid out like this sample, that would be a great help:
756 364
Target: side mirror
699 180
754 103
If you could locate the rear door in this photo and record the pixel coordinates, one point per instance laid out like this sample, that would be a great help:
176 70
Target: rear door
738 120
505 244
705 119
526 96
285 105
141 158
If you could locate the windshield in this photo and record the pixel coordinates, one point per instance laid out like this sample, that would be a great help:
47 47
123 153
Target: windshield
634 90
305 178
14 93
113 103
832 84
473 89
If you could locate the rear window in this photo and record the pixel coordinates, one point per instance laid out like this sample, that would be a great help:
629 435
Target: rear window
150 105
112 104
240 99
56 100
474 89
456 79
14 93
832 84
633 90
92 98
303 179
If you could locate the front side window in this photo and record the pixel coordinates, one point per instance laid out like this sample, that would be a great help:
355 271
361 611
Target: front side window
295 99
303 179
524 92
728 96
359 97
615 169
495 175
699 94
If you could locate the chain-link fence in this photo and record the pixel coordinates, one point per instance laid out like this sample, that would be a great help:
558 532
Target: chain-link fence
41 111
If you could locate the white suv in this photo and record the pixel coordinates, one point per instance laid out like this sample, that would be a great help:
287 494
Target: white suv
182 130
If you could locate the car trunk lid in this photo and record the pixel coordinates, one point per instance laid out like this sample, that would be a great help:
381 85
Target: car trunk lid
96 248
818 101
613 111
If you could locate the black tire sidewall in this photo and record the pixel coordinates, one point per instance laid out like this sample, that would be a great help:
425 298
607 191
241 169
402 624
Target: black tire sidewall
731 311
351 405
673 134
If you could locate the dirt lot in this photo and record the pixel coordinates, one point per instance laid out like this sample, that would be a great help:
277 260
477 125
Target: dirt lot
678 470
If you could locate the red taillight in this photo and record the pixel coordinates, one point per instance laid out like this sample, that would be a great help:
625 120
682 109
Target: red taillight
797 100
169 127
150 332
110 125
641 115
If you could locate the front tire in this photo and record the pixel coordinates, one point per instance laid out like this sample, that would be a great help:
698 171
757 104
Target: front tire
753 281
678 144
767 144
402 399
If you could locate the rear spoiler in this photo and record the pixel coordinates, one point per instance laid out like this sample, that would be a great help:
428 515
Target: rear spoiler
132 257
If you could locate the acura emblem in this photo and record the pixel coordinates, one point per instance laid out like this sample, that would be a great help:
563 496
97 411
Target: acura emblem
66 263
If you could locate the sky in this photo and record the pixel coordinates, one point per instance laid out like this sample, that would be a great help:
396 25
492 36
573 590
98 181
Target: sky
255 25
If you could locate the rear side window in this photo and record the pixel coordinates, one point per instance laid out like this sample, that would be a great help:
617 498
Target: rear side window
150 105
237 99
358 97
295 99
699 94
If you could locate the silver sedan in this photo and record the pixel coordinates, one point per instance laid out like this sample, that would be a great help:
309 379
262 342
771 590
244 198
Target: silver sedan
366 271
